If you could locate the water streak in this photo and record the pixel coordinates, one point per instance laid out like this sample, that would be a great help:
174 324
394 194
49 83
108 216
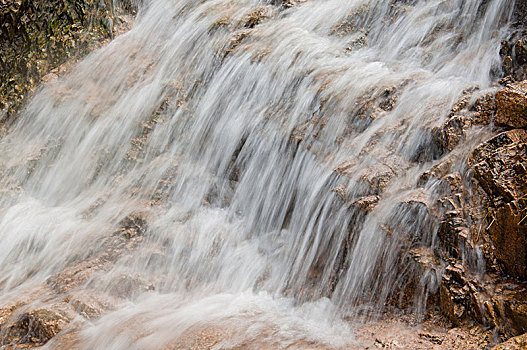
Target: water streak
242 144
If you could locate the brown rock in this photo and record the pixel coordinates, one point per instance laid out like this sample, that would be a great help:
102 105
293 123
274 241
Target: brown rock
425 258
500 167
513 52
511 104
512 305
452 302
463 116
129 286
91 305
516 343
377 177
453 232
132 225
509 237
38 326
366 203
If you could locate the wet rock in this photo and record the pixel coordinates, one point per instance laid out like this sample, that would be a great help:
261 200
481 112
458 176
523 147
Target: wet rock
256 17
511 305
469 111
287 3
344 168
516 343
426 259
38 36
90 305
133 225
366 203
513 54
377 177
308 130
124 239
453 232
520 13
500 167
431 338
486 299
236 40
509 238
129 286
454 295
511 104
458 207
38 326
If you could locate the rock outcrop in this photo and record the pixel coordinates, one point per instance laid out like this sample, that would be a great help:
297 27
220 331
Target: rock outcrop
500 166
514 56
511 104
484 209
38 36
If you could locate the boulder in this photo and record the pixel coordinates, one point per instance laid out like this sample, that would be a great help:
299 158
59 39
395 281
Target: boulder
36 327
511 104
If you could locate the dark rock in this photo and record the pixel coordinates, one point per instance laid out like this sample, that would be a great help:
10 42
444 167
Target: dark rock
453 232
425 259
512 305
133 225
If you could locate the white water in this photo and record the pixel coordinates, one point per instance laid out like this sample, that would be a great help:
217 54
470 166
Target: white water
247 234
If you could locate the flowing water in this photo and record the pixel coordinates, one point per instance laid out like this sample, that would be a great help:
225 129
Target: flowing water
230 140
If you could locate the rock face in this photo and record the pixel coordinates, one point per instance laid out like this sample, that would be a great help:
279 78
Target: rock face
514 57
38 36
511 104
484 214
500 167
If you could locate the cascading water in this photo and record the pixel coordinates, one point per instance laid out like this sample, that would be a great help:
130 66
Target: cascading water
236 142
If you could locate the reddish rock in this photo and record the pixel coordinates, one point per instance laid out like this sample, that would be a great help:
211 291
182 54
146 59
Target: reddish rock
511 104
500 166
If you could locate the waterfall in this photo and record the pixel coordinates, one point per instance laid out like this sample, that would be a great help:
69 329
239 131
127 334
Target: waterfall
210 169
